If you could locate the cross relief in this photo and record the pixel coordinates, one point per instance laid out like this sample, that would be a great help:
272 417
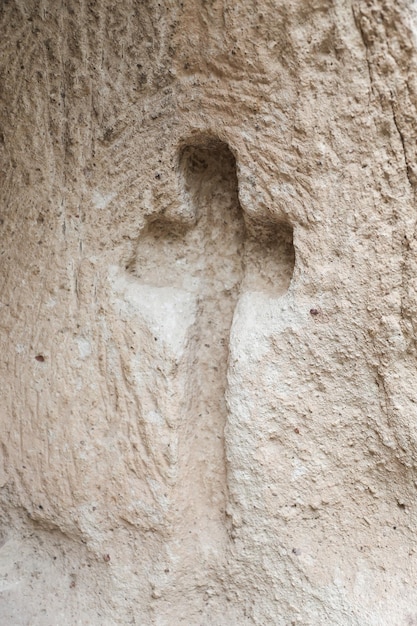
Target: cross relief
215 257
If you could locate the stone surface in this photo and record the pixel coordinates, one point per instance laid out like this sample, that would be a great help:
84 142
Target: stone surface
208 305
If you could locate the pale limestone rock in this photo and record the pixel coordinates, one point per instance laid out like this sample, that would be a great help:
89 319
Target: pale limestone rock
208 312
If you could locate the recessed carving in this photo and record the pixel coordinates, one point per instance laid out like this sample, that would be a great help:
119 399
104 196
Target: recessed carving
213 250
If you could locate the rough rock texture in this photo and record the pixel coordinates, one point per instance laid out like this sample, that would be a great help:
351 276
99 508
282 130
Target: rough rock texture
208 311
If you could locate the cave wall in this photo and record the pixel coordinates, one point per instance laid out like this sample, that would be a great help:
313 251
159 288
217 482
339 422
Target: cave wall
208 303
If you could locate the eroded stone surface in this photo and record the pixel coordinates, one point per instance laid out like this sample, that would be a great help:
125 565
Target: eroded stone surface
130 133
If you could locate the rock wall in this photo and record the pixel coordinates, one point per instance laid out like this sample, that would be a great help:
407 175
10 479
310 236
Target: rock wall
208 304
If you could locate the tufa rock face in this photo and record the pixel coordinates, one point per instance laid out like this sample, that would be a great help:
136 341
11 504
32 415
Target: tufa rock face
208 305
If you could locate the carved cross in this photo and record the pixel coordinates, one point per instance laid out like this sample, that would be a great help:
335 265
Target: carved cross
214 258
